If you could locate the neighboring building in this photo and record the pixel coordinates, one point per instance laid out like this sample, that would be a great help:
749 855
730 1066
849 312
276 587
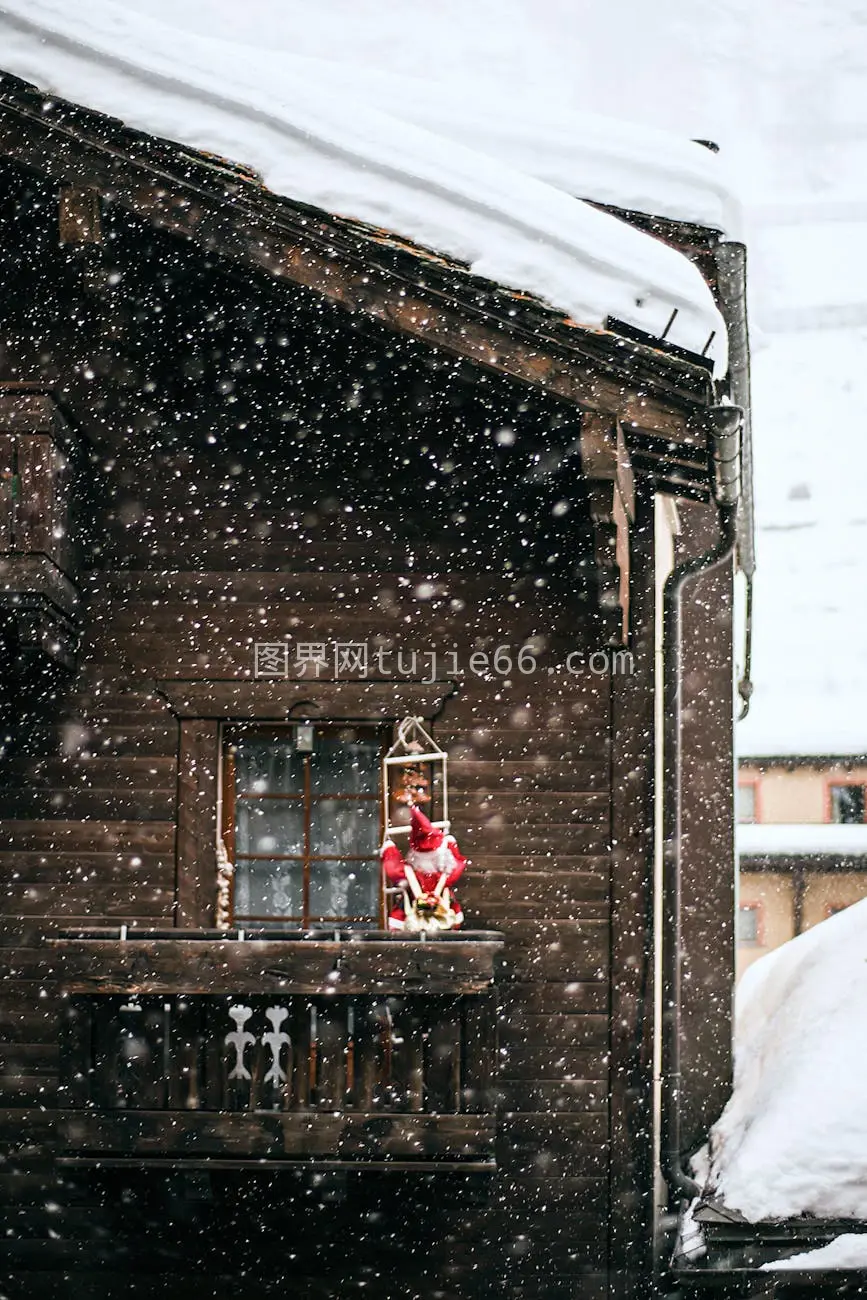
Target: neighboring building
802 846
253 452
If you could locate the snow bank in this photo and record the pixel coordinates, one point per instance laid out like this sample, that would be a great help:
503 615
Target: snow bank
793 1138
846 1251
313 140
802 838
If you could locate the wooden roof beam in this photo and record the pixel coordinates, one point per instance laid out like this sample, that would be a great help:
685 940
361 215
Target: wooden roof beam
79 216
229 225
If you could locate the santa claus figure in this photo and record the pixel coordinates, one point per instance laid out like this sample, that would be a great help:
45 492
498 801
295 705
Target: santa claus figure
432 864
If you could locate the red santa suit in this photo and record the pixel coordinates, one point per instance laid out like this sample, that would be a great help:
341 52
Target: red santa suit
436 862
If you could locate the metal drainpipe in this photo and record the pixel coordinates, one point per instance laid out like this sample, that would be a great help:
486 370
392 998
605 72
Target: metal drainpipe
730 259
726 455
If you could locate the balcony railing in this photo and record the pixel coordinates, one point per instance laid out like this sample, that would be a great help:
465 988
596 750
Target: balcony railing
367 1048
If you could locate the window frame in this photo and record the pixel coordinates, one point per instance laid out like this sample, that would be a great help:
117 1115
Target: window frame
754 782
229 733
833 782
758 909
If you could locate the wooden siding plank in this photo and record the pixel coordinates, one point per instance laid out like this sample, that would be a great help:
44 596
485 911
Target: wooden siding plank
87 836
275 1135
145 898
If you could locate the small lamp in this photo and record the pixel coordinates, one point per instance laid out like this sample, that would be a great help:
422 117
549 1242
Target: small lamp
304 738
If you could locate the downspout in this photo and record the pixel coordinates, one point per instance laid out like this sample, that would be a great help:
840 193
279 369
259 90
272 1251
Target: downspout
725 452
730 259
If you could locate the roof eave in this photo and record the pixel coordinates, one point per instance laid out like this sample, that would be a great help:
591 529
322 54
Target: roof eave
406 289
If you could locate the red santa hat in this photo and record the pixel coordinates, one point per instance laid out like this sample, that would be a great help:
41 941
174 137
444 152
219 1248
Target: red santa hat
423 837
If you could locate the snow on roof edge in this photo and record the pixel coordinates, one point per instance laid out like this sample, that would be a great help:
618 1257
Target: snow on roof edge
629 165
348 159
784 838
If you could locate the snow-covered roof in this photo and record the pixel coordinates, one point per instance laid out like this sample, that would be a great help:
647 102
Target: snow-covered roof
622 164
849 1250
789 840
315 139
793 1138
810 647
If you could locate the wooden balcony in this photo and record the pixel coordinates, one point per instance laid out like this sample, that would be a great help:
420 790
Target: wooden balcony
367 1049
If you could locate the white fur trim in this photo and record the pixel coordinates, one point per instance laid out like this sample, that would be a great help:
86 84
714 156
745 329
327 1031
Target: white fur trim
437 860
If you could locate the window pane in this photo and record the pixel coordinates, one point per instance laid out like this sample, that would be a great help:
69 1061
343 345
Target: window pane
269 889
746 803
349 766
748 925
274 826
268 767
344 827
847 803
345 889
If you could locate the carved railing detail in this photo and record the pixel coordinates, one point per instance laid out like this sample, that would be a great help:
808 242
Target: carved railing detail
430 1055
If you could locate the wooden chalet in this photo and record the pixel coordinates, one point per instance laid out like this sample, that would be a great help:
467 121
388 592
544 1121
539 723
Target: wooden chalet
233 428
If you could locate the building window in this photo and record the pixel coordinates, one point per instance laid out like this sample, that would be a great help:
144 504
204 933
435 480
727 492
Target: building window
847 803
748 925
302 824
747 802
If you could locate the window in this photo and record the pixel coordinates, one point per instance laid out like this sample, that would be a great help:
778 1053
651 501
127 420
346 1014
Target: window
747 802
748 929
303 824
847 803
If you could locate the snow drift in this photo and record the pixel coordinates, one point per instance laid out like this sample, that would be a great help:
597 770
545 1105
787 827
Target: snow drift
313 139
793 1138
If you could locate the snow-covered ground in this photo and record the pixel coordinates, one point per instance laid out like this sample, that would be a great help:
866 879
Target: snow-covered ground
793 1138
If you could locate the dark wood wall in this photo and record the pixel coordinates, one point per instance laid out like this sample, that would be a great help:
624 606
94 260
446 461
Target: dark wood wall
257 471
708 832
258 468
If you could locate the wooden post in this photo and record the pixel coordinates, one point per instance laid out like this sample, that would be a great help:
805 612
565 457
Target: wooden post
479 1053
611 497
79 214
196 879
633 731
707 852
8 490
